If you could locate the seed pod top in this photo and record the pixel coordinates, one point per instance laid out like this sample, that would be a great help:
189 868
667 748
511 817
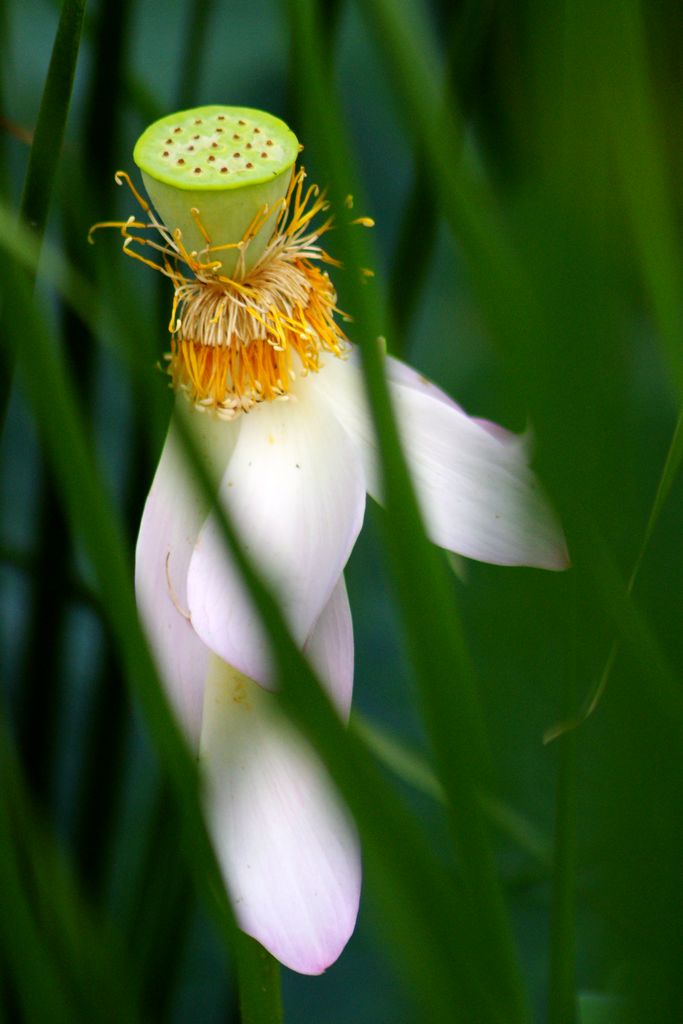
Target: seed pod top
218 168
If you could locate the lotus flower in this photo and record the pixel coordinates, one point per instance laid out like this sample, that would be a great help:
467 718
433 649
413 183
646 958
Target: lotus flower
275 398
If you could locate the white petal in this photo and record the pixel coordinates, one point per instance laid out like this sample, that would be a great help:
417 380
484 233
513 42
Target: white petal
351 386
329 648
340 384
295 490
171 520
287 848
477 493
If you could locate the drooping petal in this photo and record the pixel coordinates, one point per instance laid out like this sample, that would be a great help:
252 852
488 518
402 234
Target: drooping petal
172 518
477 493
329 648
295 490
287 848
400 373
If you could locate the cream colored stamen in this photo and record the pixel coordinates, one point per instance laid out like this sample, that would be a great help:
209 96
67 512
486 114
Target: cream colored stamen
237 341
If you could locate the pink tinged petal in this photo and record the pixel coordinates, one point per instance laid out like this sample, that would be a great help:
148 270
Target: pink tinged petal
400 373
472 478
329 648
475 488
171 520
295 490
522 440
287 848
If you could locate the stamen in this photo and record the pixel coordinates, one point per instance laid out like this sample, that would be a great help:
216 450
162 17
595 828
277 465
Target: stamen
121 176
241 340
194 212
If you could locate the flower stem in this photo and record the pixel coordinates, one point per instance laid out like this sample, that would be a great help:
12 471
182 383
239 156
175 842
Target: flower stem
258 975
562 999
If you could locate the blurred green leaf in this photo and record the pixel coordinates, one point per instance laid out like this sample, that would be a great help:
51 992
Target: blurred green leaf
54 108
65 968
196 24
595 1008
46 145
412 769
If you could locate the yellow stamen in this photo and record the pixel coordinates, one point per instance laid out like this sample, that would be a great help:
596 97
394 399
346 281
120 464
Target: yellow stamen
237 341
194 213
121 176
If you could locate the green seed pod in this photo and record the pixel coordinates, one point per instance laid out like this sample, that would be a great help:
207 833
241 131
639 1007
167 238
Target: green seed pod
225 163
